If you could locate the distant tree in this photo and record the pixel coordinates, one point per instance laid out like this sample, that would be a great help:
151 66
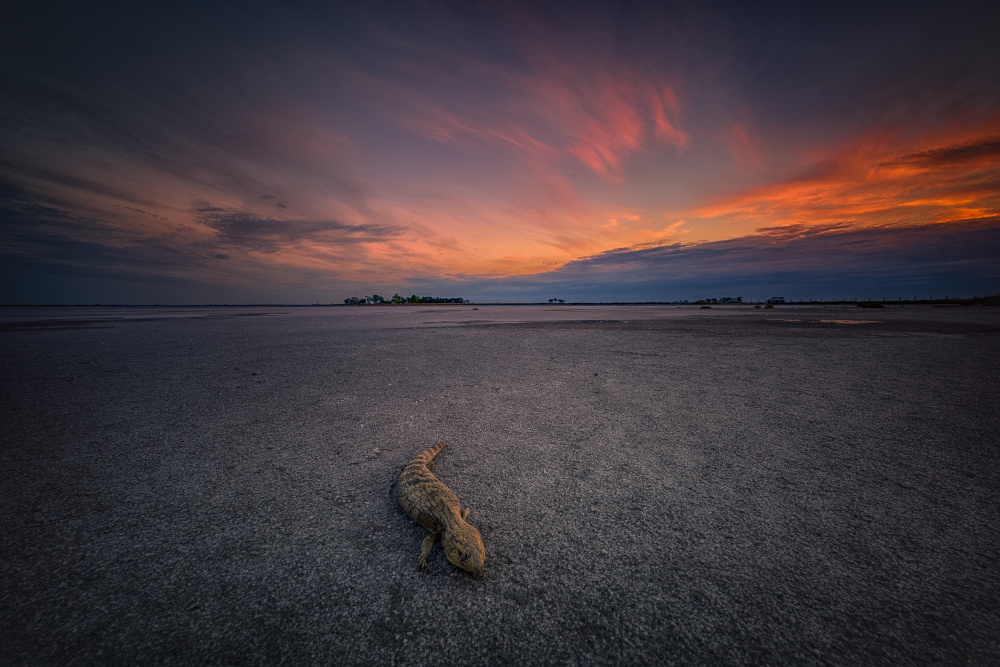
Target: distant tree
414 299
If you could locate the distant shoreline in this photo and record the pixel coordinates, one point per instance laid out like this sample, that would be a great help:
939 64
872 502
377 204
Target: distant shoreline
980 301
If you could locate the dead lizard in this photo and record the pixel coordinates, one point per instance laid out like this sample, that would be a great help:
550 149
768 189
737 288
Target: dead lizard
436 507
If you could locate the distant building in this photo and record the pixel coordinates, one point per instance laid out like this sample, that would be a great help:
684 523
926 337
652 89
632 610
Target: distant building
776 299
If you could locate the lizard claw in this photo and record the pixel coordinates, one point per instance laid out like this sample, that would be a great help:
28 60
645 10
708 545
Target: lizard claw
425 548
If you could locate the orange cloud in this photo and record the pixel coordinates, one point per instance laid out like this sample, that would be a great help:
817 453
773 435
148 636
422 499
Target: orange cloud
877 179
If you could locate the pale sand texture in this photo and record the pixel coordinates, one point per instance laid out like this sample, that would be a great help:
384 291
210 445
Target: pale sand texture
653 485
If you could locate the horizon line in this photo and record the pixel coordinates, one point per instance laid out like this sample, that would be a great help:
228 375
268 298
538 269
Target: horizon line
678 302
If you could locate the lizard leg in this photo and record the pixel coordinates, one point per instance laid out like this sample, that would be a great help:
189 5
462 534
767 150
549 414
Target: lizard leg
430 466
465 513
426 546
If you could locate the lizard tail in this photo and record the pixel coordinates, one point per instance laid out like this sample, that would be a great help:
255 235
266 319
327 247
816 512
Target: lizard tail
428 455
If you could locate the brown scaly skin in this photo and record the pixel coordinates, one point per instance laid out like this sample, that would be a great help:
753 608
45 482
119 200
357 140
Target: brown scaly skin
435 507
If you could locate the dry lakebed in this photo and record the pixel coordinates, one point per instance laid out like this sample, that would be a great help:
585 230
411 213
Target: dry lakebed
653 485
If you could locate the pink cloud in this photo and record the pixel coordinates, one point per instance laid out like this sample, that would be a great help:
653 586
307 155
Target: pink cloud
597 113
607 117
659 102
744 149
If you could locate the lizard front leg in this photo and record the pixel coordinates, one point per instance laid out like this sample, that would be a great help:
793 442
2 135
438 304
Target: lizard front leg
426 546
465 513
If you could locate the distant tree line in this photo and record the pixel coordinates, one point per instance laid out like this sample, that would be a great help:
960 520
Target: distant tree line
375 299
725 299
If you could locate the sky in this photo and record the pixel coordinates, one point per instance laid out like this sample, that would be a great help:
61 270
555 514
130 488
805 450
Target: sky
253 152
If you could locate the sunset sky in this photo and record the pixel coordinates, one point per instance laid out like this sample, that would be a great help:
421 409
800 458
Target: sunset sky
247 152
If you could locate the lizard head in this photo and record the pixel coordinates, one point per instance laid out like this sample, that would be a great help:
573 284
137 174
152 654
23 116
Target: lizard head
463 546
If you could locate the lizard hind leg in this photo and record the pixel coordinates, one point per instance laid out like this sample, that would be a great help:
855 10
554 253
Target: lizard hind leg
426 546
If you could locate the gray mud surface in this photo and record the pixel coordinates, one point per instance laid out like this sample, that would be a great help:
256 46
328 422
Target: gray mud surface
654 485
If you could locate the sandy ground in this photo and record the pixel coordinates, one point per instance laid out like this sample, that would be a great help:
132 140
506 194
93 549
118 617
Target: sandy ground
654 485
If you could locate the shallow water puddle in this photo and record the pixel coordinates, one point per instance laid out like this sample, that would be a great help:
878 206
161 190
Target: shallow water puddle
850 321
839 321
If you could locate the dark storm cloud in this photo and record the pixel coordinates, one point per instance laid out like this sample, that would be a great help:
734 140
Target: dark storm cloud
51 256
189 132
204 95
22 218
254 232
78 244
9 191
76 183
968 152
46 251
848 64
830 250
